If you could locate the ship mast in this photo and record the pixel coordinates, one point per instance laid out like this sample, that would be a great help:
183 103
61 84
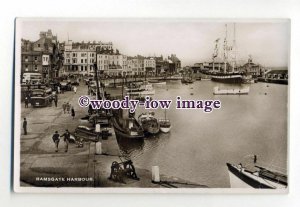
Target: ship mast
225 49
234 49
215 54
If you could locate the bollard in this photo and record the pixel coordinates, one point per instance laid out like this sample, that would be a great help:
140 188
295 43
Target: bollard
98 148
97 129
155 174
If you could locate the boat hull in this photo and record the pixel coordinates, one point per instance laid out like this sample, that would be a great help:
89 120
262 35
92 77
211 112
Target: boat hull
228 79
165 129
126 134
243 178
243 91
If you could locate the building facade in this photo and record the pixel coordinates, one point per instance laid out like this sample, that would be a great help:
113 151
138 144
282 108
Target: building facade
41 56
150 66
136 66
79 58
252 69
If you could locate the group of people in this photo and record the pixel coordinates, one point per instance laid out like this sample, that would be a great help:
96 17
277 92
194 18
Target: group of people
66 107
66 138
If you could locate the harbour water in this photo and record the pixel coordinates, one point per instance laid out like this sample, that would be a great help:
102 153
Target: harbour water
200 144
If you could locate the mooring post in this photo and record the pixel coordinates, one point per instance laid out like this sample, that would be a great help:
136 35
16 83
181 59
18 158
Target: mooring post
98 143
155 174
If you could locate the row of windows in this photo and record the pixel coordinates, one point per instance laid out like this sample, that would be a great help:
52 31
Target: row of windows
35 58
35 67
82 55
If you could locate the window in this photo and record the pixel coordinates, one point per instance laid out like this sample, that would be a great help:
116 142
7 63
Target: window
85 60
85 68
39 45
74 54
81 60
81 68
35 58
35 67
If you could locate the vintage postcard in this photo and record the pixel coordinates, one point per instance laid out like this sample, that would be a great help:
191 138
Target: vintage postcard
151 105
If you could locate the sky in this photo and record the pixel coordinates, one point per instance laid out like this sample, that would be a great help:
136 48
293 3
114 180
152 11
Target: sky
191 40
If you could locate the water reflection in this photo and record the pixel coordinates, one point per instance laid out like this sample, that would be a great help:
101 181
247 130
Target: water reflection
134 148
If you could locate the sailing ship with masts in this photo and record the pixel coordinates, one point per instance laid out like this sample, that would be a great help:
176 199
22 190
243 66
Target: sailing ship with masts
229 72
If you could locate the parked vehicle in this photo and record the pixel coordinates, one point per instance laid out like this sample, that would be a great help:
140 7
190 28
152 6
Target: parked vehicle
41 97
32 78
66 86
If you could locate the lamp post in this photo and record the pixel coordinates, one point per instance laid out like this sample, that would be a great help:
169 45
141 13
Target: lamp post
96 78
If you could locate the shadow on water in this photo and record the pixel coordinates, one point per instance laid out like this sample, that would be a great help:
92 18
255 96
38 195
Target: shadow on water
129 146
135 148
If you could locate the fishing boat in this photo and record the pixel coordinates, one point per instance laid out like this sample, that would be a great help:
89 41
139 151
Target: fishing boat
165 124
127 126
228 73
149 123
234 91
257 177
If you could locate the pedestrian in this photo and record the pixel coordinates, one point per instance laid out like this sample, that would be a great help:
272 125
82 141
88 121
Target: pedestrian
55 138
73 112
58 89
64 107
68 107
90 110
75 89
55 100
26 102
66 136
254 159
25 126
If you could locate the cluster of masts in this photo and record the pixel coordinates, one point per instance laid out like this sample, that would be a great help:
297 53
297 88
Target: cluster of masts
227 49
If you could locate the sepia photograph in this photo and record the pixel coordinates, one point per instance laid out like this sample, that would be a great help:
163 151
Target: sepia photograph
151 105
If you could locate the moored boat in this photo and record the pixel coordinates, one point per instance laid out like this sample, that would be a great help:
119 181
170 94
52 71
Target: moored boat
255 177
139 90
234 91
227 78
149 123
157 82
165 124
126 126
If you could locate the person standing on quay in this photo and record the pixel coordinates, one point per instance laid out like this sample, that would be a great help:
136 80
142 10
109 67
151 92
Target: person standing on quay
55 138
25 126
68 107
26 102
75 89
55 100
64 107
66 136
73 112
